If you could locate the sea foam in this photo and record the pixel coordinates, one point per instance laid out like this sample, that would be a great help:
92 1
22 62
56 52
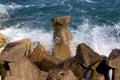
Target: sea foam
101 39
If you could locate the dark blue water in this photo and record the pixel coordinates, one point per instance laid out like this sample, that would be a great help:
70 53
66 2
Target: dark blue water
39 12
95 22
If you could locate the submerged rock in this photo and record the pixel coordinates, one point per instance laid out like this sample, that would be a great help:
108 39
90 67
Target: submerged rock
61 37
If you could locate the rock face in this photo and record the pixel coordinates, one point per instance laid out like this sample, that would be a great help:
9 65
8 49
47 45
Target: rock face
114 62
61 37
60 74
3 40
41 58
79 64
20 66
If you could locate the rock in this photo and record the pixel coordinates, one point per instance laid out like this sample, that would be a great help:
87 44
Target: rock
60 74
116 74
114 59
41 58
114 62
61 37
27 42
20 66
103 68
3 40
79 64
86 56
11 78
71 64
4 72
94 74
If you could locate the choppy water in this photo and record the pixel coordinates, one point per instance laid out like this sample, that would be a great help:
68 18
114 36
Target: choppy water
94 22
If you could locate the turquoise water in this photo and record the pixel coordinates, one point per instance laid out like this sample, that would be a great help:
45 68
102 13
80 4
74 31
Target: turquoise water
94 22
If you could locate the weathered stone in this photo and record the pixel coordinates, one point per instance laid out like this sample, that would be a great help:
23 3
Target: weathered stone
94 74
3 40
114 62
27 42
116 74
78 64
4 73
41 58
86 56
61 37
60 74
114 59
20 66
11 78
71 64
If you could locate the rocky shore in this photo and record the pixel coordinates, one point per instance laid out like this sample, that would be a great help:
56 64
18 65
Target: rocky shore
27 60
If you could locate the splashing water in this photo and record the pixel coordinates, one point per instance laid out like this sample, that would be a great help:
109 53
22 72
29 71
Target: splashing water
100 38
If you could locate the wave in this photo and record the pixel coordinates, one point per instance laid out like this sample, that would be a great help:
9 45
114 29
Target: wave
100 38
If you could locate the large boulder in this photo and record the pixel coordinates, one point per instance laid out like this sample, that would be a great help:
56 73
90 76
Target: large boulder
61 37
114 62
41 58
20 66
3 40
86 56
60 74
79 64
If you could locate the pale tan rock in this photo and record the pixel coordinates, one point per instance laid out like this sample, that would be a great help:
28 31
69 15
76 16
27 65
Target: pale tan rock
60 74
27 42
11 78
20 66
41 58
61 37
3 40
